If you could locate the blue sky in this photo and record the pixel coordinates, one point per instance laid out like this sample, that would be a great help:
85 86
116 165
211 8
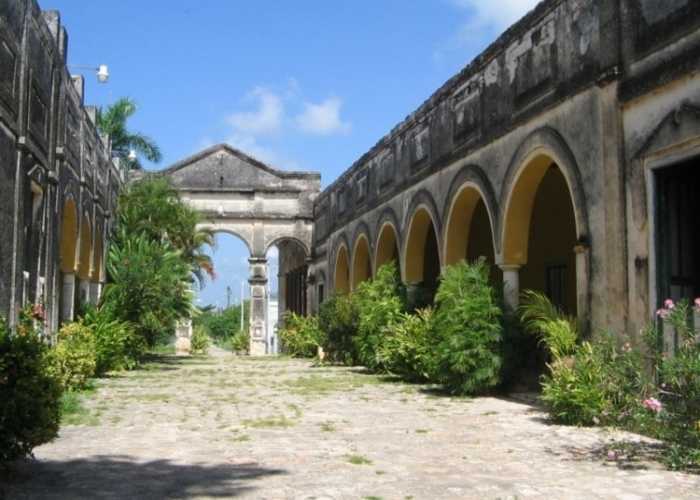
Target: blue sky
301 85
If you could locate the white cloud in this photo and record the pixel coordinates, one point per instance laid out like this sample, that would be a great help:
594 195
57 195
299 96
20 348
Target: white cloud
266 120
323 118
486 20
496 14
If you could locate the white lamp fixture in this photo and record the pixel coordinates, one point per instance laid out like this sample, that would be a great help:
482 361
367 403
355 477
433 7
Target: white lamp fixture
102 71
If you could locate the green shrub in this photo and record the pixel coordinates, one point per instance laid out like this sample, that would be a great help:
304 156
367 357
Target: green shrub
380 305
301 336
30 409
679 395
199 343
339 319
467 330
240 341
117 347
598 384
406 349
72 360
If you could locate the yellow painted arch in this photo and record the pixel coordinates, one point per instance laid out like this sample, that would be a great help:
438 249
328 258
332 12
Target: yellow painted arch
341 280
69 236
361 266
414 250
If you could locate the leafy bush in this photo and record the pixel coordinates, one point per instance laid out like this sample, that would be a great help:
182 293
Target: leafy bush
72 361
406 349
679 395
380 305
240 341
339 319
30 409
467 330
149 287
117 346
301 335
199 343
598 385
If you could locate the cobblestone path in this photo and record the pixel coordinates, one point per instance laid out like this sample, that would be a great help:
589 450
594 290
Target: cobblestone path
271 428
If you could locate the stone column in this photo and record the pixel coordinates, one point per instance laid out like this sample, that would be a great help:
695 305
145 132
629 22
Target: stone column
258 283
581 251
95 291
67 295
281 298
511 285
83 290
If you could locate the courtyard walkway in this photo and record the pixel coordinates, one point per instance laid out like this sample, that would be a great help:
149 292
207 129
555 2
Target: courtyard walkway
270 428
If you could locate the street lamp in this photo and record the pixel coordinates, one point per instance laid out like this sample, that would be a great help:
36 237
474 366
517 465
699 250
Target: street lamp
102 72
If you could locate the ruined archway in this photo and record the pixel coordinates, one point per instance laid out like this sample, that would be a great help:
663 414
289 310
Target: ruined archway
262 205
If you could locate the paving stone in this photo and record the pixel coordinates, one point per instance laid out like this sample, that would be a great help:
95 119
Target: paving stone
231 427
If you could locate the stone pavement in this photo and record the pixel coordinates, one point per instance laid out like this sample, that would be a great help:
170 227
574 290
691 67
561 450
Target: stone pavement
272 428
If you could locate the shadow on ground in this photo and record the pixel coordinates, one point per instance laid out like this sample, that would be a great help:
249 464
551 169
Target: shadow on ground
120 477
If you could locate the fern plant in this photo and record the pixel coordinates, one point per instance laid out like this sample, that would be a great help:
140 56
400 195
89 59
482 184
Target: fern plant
467 330
557 331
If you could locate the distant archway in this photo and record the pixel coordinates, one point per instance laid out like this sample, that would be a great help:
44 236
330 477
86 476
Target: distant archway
341 280
361 265
421 253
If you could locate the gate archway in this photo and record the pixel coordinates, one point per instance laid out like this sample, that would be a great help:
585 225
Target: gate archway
260 204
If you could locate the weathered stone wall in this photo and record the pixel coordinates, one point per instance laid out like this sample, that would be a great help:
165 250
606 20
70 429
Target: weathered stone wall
50 152
584 84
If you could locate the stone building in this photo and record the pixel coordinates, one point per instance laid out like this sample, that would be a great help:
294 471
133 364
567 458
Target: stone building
58 184
567 153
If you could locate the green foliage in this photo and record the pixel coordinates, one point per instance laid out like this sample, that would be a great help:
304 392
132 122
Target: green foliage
222 327
679 378
112 121
543 319
117 346
72 360
240 341
301 335
467 330
30 409
598 384
406 350
380 306
149 287
339 319
152 206
199 343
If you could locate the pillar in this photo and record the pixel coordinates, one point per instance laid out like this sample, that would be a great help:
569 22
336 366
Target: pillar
83 290
511 285
95 291
258 306
581 251
67 295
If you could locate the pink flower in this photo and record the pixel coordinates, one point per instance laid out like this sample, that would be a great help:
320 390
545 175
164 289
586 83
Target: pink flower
652 404
697 302
611 454
669 304
662 313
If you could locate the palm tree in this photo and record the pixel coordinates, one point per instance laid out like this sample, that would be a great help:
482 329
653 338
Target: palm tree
113 120
153 206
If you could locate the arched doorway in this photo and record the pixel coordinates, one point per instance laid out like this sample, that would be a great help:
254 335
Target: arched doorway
387 248
468 234
341 278
67 259
361 266
421 258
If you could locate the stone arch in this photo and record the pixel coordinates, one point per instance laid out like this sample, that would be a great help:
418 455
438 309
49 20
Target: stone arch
545 212
85 262
421 253
526 169
98 258
69 236
220 228
387 247
361 264
470 207
341 267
